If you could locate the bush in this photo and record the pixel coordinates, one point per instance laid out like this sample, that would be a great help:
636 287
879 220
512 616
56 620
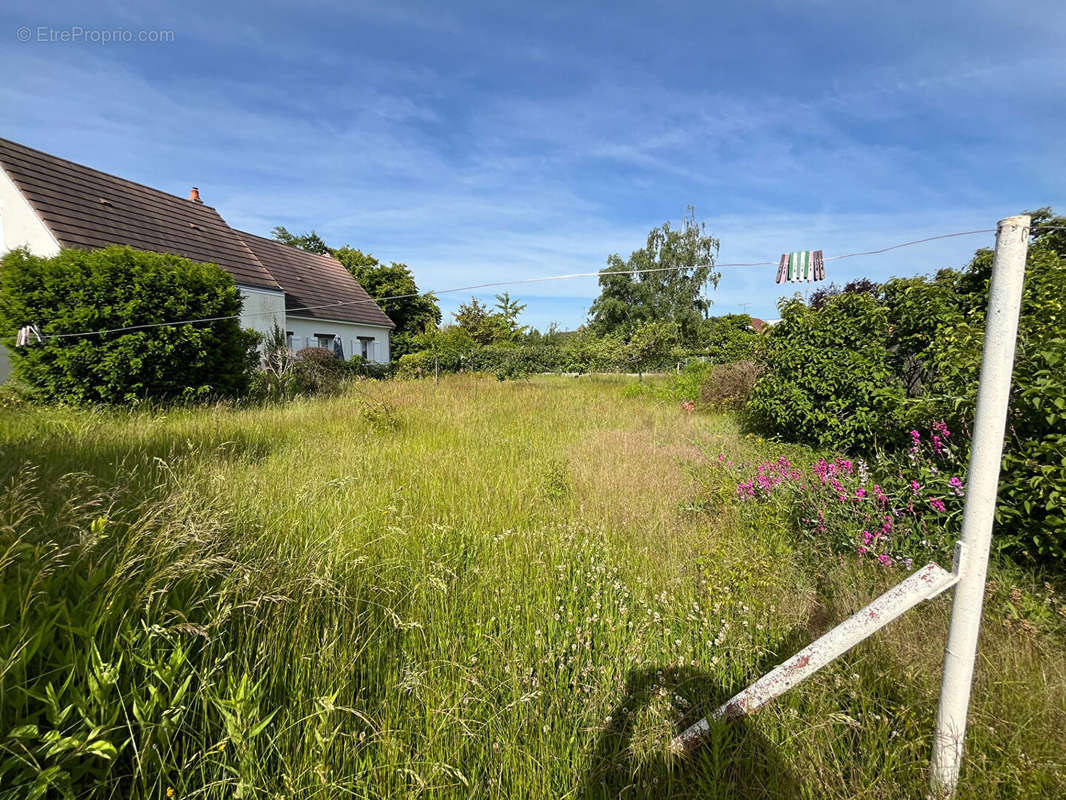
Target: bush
727 339
316 370
900 507
1032 488
827 379
729 386
119 287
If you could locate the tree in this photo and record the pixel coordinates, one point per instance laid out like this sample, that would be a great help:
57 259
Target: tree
411 310
649 346
507 314
662 282
475 319
727 338
311 242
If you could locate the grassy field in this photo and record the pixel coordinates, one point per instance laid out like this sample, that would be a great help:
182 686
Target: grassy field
465 589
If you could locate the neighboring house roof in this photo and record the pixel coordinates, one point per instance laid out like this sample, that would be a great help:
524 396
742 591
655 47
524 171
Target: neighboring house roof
86 208
757 324
316 280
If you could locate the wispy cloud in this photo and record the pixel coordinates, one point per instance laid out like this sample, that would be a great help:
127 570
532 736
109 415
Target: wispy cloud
477 145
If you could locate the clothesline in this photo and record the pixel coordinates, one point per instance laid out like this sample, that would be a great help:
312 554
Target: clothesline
515 282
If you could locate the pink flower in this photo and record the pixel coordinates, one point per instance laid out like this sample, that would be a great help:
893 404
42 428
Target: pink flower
860 493
937 504
885 559
956 486
915 487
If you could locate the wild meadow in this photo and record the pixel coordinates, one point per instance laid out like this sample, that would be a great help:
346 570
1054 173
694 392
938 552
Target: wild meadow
469 588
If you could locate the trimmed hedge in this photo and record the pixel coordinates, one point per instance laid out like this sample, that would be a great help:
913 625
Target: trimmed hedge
118 287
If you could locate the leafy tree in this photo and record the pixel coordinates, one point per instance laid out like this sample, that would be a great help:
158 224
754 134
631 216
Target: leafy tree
507 313
412 311
662 282
311 242
649 346
727 338
118 287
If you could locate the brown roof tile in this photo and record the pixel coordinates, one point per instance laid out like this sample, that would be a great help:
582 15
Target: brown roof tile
86 208
316 280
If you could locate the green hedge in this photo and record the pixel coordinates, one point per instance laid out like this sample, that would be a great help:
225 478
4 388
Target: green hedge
119 287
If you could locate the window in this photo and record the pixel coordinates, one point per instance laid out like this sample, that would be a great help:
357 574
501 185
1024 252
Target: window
325 340
288 339
366 347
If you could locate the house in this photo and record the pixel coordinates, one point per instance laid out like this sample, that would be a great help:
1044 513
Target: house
49 203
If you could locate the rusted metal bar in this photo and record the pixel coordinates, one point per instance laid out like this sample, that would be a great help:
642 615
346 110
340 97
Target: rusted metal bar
924 584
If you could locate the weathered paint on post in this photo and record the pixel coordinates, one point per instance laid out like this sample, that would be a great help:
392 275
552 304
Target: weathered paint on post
924 584
993 395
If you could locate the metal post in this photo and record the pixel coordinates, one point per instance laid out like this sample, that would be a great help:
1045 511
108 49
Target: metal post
993 394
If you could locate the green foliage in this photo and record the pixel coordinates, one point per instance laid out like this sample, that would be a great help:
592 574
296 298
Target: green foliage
910 356
671 273
118 287
726 339
1032 491
311 242
487 326
827 379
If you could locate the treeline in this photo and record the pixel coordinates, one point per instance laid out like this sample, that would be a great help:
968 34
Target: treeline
650 347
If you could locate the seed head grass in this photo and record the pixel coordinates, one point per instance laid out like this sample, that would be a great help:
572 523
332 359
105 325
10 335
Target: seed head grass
460 589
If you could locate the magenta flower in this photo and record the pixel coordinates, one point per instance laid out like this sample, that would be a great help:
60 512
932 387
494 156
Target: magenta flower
885 559
956 486
915 487
937 504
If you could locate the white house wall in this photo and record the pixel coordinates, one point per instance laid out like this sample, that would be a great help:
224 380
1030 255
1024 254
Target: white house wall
19 224
303 330
20 227
262 309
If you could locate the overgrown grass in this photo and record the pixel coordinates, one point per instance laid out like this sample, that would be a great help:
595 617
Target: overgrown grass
464 589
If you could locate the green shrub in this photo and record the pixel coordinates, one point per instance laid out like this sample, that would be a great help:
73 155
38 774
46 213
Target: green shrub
827 379
1032 489
119 287
728 386
727 339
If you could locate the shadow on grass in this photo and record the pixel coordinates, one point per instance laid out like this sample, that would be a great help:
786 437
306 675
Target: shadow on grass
735 761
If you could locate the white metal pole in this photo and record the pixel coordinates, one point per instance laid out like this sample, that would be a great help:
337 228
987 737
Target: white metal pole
993 394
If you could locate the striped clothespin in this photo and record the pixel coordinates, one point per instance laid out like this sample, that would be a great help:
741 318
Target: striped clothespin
801 266
26 334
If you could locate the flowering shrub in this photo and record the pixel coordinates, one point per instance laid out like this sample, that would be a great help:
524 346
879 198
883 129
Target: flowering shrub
895 509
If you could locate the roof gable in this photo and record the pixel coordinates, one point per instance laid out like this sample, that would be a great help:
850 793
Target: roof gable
316 286
86 208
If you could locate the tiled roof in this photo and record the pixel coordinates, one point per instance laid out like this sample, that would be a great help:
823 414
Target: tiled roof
316 280
89 209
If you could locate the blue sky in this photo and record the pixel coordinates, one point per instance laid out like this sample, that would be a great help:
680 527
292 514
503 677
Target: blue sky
481 142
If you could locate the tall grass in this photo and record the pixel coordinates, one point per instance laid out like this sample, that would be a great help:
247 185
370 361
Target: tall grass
464 589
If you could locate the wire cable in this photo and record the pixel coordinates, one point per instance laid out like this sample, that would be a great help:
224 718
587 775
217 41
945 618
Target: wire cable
510 282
